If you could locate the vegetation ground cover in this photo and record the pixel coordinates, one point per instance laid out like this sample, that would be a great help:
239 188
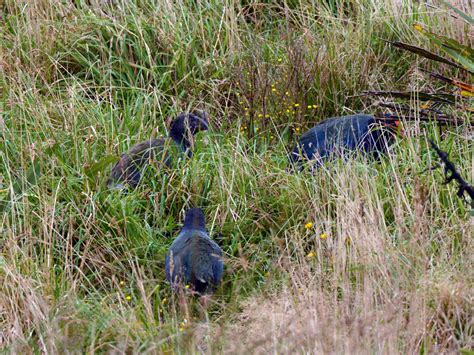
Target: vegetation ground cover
359 256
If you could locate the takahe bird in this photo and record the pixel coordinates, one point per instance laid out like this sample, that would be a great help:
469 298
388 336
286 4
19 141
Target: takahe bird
128 170
194 259
339 136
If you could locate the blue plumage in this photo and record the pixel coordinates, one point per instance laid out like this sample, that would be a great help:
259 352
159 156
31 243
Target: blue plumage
194 259
128 170
338 136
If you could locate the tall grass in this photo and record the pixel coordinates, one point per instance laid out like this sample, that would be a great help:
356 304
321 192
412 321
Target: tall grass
386 266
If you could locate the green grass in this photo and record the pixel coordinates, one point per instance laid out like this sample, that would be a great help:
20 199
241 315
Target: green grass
82 269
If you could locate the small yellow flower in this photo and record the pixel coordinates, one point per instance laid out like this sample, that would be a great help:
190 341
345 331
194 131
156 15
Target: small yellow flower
164 300
418 27
287 111
287 93
280 60
187 286
273 85
271 137
181 329
297 129
237 94
297 105
266 116
246 109
323 236
122 283
311 254
128 298
256 129
309 106
315 106
308 225
274 90
260 115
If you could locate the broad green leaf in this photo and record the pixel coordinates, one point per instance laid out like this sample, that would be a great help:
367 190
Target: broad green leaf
101 165
32 175
466 62
462 54
465 16
424 53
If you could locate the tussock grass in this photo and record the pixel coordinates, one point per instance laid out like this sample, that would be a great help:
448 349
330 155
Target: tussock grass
82 269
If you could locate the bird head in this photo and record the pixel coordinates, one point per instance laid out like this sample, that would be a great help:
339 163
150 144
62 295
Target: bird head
395 127
188 124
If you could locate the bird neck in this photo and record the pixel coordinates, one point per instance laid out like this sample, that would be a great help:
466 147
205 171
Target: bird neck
180 137
195 220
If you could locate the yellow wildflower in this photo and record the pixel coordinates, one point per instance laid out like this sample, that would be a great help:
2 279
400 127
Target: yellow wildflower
128 298
323 236
418 27
287 93
308 225
297 105
260 115
315 106
181 329
186 287
297 129
164 300
311 254
287 111
274 90
309 106
122 283
280 59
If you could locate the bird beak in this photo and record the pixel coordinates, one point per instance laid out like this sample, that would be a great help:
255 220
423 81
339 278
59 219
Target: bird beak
203 124
399 129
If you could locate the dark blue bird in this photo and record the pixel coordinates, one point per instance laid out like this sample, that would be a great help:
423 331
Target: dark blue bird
339 136
194 259
128 170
